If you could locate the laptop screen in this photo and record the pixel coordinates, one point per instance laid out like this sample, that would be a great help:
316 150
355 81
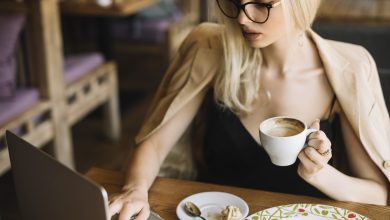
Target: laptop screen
48 190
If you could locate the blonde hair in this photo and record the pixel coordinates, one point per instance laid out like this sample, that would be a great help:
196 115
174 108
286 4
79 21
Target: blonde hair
237 84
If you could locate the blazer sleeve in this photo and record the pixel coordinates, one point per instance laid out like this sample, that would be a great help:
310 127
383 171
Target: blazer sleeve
191 70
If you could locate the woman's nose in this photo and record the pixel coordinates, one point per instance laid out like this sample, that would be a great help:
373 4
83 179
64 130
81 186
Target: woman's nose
242 18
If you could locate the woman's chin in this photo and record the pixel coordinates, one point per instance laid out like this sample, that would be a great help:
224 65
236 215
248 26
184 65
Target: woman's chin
258 44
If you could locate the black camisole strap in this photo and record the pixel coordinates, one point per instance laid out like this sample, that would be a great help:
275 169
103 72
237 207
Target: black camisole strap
332 106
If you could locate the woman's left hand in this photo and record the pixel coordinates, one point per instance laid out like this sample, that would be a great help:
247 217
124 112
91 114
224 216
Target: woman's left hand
316 155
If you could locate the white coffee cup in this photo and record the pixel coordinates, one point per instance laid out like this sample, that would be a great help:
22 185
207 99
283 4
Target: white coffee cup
283 138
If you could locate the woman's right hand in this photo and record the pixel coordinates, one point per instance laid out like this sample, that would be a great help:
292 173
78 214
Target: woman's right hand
129 203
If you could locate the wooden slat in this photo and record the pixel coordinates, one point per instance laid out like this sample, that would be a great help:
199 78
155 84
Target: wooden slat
30 125
103 69
83 106
124 8
42 134
38 108
4 161
98 94
111 118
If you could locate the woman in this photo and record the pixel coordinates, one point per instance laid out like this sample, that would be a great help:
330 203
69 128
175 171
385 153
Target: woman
265 61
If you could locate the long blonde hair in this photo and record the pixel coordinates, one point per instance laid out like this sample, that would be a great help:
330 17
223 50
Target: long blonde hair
237 83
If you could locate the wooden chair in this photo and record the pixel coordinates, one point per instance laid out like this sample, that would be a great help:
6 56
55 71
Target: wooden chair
37 123
60 105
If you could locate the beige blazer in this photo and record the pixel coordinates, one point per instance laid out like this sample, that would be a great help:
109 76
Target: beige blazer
350 69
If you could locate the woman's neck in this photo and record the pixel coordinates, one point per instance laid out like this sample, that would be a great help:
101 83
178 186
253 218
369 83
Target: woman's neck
287 53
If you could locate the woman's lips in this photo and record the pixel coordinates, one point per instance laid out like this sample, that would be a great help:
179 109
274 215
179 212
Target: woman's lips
251 36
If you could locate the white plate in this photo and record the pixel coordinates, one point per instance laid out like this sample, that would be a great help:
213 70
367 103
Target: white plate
306 212
211 204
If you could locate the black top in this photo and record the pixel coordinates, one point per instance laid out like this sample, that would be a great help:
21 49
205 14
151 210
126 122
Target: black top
233 157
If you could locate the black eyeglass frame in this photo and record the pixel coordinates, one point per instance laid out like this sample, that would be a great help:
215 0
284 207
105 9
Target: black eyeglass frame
240 7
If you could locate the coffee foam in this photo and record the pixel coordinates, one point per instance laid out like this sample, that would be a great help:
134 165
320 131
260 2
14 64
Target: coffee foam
283 127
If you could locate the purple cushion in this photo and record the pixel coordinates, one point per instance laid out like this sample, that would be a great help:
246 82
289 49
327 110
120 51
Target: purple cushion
145 30
10 26
76 66
22 99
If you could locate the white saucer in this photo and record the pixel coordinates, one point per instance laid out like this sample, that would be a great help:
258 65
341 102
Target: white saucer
211 204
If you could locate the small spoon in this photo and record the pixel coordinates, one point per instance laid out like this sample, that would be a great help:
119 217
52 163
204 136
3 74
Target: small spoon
193 210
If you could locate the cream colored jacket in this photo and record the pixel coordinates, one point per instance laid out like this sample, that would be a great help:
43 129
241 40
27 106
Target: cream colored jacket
350 69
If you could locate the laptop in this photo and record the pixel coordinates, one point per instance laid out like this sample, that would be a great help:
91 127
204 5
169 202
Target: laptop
47 190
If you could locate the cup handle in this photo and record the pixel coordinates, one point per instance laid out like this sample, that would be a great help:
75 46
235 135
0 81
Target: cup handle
310 130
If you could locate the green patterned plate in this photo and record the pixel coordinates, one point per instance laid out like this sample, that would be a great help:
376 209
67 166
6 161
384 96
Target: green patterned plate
306 212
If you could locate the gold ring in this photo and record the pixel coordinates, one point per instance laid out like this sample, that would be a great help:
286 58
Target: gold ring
327 152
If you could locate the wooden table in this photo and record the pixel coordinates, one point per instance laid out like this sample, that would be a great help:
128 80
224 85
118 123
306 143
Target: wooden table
166 193
369 12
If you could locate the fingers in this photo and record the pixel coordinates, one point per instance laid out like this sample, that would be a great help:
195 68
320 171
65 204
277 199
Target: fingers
144 214
311 162
321 145
319 141
129 211
315 124
114 207
306 162
317 159
306 168
314 157
318 135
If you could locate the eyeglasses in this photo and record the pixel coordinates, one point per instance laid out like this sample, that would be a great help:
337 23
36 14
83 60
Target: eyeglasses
255 11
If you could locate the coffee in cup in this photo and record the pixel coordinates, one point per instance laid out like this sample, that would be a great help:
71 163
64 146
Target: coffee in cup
283 138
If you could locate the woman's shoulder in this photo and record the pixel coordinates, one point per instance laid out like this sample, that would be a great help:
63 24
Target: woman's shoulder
349 57
359 58
352 52
206 35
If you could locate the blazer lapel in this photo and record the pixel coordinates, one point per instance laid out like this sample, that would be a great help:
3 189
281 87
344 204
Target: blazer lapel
341 77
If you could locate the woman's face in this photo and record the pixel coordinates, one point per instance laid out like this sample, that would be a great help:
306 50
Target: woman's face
262 35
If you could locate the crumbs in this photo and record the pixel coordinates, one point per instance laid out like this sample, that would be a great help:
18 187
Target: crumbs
230 212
